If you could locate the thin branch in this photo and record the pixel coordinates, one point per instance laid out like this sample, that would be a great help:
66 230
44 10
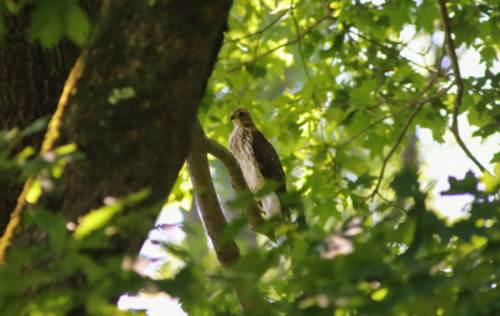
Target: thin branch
480 91
240 185
410 104
392 51
300 40
402 133
254 71
260 32
301 54
364 130
458 82
301 35
392 203
226 249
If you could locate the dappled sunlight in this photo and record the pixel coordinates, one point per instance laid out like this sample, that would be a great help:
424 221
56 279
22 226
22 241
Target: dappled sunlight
440 161
160 304
374 129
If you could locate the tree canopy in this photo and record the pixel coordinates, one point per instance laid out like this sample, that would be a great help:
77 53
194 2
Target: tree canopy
340 88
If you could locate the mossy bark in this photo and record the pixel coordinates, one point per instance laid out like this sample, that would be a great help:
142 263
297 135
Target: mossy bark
31 81
128 105
130 112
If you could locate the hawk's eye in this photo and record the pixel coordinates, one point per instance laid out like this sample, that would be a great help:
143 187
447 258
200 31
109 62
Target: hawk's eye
242 114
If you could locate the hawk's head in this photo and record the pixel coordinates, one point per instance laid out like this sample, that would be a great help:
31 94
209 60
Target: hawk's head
241 117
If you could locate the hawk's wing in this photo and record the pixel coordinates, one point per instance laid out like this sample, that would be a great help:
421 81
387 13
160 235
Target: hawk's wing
269 163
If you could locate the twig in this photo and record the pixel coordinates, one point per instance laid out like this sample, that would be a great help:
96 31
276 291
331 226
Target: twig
410 104
301 54
392 203
479 91
402 133
458 82
364 130
254 70
240 185
300 40
260 32
301 35
392 51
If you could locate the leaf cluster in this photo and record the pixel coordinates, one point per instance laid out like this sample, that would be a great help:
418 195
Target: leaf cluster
333 85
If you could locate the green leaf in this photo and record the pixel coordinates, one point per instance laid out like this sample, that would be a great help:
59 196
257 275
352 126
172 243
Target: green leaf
464 186
365 180
364 95
53 19
96 219
485 131
405 182
427 14
47 23
77 24
496 158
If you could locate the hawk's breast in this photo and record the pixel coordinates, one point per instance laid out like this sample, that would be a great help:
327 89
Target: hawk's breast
240 144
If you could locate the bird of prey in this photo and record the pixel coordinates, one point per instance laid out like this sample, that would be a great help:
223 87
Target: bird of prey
259 162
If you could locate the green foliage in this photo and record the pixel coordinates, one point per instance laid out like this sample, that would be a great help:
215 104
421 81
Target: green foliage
60 254
332 85
333 102
50 20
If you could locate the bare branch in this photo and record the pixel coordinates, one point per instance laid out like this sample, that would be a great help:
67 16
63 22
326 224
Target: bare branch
301 35
402 133
240 185
226 249
206 198
458 82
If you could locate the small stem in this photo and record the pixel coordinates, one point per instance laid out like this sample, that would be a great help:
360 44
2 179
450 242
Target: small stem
296 40
450 44
402 133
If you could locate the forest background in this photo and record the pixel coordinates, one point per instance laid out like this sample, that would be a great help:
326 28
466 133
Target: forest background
343 90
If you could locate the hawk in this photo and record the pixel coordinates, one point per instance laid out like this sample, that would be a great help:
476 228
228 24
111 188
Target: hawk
258 160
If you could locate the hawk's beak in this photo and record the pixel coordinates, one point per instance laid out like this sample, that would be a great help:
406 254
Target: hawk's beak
232 117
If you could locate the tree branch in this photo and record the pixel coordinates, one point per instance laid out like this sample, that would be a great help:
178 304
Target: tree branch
261 31
240 185
410 104
301 53
458 82
206 198
226 249
299 41
391 50
301 35
419 105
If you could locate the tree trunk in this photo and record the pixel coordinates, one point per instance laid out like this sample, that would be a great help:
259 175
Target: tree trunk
129 105
31 81
131 110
